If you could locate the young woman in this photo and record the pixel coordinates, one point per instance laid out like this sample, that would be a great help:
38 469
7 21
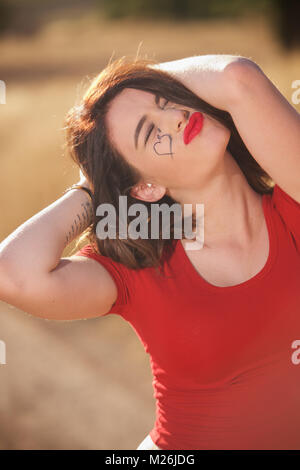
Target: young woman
220 322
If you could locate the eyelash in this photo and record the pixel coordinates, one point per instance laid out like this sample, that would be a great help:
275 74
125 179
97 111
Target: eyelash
152 127
163 107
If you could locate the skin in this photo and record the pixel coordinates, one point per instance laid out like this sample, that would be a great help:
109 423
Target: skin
80 222
202 171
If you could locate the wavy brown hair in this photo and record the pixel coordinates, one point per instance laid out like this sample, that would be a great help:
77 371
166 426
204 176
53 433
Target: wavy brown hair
111 176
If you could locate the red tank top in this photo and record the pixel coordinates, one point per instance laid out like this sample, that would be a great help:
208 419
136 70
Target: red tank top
225 369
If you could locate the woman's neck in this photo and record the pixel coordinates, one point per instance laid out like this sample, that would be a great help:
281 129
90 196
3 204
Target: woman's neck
232 209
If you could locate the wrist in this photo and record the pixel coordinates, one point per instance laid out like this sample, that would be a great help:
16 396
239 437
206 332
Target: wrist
83 188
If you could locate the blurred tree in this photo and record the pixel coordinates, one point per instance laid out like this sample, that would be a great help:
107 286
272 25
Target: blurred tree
28 16
5 15
284 15
180 8
287 22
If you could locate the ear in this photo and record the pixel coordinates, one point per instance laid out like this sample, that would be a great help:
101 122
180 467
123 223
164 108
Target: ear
148 192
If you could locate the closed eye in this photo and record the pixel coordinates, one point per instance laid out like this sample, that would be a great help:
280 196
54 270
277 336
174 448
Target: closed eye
152 126
150 129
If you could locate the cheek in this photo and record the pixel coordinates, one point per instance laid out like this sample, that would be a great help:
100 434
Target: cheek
218 138
163 146
161 168
216 129
213 139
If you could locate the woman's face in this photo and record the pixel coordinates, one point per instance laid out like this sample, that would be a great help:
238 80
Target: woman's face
148 132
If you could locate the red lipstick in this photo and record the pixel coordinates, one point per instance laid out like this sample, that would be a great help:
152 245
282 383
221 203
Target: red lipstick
193 127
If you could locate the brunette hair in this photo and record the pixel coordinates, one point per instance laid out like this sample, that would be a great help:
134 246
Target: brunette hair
111 176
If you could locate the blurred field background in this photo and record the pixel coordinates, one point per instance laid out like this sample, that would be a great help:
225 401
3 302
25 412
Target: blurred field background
87 384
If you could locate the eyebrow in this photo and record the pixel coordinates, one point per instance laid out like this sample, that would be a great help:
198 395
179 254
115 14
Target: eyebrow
140 125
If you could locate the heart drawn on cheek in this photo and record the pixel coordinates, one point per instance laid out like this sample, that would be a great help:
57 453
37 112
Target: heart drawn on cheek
164 142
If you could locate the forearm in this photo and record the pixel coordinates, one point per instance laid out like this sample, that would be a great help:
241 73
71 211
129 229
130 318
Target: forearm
207 76
36 246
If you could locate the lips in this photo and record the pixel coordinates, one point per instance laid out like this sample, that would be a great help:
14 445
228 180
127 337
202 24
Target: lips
193 127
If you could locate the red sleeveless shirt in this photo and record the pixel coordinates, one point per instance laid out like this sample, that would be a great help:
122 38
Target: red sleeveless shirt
226 371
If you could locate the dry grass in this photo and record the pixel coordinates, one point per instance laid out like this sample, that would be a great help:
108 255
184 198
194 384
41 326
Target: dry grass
85 384
46 73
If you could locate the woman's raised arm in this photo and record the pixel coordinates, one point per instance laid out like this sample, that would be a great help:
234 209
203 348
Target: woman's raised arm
206 76
34 277
267 123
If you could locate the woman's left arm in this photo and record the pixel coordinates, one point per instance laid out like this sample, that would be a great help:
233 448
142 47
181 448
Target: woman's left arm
205 75
267 123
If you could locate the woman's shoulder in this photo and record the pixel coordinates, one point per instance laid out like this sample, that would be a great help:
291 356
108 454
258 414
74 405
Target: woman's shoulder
287 208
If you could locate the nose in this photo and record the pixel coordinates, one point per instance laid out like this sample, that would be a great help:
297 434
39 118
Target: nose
174 120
